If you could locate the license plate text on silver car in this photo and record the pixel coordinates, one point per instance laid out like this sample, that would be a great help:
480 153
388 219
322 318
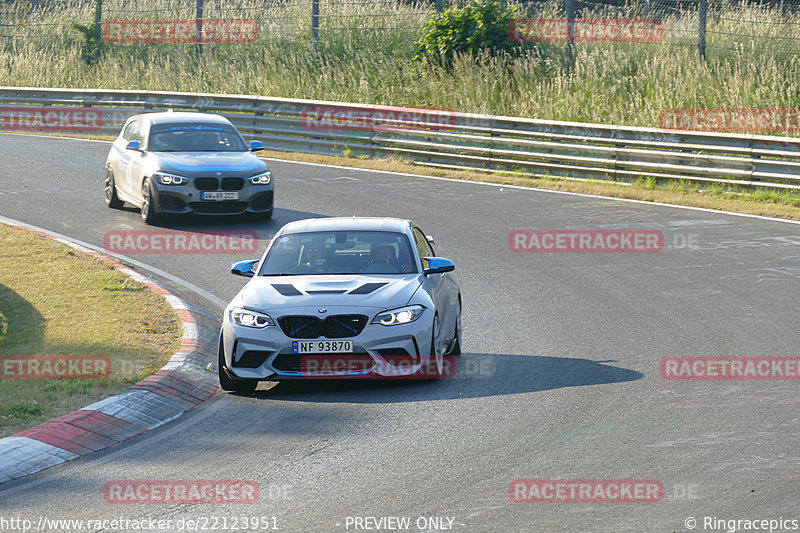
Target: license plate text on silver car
322 346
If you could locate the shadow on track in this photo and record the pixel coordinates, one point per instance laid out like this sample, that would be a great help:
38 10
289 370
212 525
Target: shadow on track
477 376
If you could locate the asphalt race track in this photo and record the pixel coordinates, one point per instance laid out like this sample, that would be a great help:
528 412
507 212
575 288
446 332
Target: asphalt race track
568 347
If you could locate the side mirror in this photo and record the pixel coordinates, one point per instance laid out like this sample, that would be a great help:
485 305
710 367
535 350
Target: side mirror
244 268
255 146
438 265
134 145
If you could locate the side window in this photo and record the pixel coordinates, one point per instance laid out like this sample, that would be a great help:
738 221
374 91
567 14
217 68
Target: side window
133 131
423 246
127 133
138 135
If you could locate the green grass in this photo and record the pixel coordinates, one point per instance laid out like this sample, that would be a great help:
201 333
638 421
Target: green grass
363 58
57 301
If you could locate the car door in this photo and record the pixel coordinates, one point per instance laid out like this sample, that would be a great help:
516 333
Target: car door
437 286
119 159
132 175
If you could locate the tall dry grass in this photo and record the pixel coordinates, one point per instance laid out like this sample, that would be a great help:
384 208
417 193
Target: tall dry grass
363 57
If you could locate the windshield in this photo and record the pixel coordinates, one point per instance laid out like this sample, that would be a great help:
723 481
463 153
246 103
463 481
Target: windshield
363 252
195 137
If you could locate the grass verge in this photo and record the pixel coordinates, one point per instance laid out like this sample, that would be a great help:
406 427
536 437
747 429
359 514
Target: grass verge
55 300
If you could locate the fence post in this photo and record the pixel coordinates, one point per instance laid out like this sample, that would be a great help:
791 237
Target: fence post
314 23
569 8
98 20
198 29
701 41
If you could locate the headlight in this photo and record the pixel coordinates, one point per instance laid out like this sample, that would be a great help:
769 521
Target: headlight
251 319
403 315
262 179
170 179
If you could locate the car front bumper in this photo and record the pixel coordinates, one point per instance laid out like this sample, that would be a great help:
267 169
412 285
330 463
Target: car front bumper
378 351
184 199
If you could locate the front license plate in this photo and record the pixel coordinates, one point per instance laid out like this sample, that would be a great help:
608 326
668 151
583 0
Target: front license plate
225 195
322 346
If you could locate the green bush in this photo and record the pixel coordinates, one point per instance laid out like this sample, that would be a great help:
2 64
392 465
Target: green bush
482 26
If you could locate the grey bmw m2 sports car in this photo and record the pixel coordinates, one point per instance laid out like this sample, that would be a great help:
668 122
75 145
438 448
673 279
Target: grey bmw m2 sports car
341 298
186 163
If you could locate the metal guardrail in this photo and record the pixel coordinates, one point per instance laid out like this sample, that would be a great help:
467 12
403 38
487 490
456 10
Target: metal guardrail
436 137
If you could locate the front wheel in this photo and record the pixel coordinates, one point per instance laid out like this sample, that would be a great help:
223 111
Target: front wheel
149 215
110 191
457 335
433 370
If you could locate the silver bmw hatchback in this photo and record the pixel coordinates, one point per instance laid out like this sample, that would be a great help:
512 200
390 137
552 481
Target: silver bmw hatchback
184 162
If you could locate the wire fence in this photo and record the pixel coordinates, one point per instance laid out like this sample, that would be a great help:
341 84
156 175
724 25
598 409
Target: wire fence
721 27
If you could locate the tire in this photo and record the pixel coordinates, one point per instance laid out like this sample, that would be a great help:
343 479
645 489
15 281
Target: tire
456 348
433 371
149 215
228 383
110 191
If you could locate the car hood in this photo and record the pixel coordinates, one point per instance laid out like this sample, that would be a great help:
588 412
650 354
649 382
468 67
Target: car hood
267 293
209 162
